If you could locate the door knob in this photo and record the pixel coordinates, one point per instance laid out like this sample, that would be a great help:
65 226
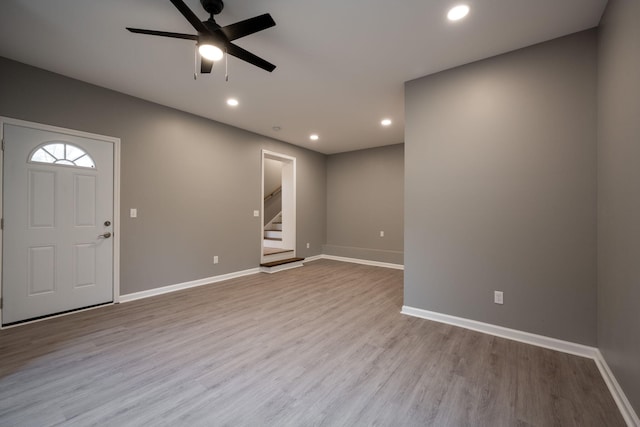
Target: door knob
105 235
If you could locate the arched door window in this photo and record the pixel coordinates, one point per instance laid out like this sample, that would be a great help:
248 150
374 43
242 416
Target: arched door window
61 153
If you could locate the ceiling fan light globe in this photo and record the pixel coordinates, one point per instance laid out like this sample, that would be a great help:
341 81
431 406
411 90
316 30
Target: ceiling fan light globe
210 52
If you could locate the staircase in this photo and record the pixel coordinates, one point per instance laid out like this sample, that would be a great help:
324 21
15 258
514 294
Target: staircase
273 233
276 257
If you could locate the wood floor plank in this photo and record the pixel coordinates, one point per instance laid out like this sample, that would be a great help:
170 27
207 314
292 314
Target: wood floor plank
322 345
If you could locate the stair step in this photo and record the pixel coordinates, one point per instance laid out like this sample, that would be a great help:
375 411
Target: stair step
276 234
281 262
275 239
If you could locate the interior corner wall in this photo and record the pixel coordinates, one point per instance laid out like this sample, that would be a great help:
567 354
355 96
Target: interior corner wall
365 190
195 182
500 178
619 194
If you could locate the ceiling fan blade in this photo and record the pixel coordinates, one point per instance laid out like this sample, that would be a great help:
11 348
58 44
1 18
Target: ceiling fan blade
248 26
205 65
249 57
191 17
163 34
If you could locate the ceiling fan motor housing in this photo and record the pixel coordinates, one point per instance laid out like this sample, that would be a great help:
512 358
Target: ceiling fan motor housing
212 26
213 7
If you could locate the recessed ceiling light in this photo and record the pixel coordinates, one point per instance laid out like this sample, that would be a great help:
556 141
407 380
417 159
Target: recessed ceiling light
314 137
386 122
458 12
232 102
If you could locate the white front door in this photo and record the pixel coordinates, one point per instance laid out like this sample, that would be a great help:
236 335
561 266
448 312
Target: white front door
58 213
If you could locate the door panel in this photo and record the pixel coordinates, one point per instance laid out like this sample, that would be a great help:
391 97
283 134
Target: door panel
41 197
85 201
55 257
85 265
41 270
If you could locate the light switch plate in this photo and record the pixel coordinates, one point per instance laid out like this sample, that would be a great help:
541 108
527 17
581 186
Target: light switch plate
256 213
133 213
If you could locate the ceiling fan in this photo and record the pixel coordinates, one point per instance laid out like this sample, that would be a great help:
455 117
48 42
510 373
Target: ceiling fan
212 39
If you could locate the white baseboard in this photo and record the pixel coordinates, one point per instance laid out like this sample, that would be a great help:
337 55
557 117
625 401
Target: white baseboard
209 280
618 395
312 258
186 285
500 331
363 261
623 403
214 279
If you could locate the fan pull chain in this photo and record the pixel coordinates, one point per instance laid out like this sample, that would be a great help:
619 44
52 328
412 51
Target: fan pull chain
226 66
195 63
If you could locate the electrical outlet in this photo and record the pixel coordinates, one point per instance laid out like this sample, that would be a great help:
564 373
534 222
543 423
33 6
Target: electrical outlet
256 213
498 297
215 259
307 245
381 233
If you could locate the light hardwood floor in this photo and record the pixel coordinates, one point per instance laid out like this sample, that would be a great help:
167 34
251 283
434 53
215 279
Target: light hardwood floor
320 345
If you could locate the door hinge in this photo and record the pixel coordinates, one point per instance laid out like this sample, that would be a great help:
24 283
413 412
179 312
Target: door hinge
1 303
2 144
1 223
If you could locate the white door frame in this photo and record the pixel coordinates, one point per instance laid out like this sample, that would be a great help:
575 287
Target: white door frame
116 193
289 189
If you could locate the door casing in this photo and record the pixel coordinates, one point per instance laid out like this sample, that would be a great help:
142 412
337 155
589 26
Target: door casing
116 196
289 177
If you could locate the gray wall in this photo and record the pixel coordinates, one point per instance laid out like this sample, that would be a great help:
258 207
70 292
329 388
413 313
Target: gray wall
194 182
618 194
365 196
500 179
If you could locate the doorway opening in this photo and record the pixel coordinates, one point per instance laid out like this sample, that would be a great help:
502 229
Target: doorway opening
278 219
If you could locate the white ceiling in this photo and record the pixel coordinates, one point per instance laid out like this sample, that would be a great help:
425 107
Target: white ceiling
341 64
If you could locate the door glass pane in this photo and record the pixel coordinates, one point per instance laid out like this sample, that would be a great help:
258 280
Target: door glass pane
56 150
62 154
74 152
42 156
85 162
